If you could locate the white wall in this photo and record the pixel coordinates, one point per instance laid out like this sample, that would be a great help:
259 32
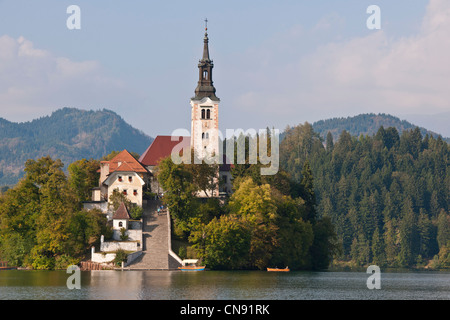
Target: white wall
101 205
116 224
133 235
126 184
116 245
109 257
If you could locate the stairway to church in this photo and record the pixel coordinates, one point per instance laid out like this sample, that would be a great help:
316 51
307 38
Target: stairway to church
155 235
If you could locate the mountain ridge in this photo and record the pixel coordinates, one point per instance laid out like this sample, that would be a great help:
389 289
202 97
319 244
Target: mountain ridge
367 124
72 134
69 134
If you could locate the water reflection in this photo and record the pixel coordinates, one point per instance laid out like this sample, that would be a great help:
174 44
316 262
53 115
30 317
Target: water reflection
218 285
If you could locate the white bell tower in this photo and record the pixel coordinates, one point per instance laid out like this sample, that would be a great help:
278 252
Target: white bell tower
205 109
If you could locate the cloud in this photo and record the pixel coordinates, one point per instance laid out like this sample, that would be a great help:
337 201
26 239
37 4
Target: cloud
369 73
35 82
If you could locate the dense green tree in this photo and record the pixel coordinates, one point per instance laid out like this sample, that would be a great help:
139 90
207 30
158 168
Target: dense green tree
329 142
226 243
40 222
257 208
443 229
396 184
325 245
308 193
85 229
83 176
179 195
378 249
295 236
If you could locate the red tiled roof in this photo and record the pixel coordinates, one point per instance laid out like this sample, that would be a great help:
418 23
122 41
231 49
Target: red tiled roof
161 148
124 161
122 212
124 167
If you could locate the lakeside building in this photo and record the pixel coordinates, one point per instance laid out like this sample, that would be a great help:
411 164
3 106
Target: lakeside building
122 173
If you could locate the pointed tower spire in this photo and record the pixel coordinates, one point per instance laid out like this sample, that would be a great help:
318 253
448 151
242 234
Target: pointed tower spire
205 87
205 43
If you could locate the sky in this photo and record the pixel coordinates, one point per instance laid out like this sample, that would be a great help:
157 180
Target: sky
276 63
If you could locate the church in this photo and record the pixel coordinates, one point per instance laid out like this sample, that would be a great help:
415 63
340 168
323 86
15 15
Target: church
129 176
204 139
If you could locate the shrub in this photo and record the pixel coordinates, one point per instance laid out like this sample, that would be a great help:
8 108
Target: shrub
121 256
123 234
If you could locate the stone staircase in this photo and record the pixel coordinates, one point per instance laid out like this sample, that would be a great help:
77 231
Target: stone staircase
156 232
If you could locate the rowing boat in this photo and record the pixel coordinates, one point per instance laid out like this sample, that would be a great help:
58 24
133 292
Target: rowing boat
278 269
192 268
190 265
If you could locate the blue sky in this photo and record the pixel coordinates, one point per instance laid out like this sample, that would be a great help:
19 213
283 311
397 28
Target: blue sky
277 63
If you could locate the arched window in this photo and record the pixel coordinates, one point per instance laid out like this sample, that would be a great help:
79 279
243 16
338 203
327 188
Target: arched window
203 135
207 135
208 114
205 75
120 224
203 113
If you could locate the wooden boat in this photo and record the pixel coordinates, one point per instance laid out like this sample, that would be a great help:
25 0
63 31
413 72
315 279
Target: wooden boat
192 268
191 265
8 268
278 269
4 266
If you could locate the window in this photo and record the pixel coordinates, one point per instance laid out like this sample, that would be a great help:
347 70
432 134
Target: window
130 178
208 114
205 75
120 178
203 135
120 224
207 135
203 113
125 192
135 192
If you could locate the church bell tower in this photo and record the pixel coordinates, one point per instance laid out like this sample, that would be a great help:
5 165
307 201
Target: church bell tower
205 108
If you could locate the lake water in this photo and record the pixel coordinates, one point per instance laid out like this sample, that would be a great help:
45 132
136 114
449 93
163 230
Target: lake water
227 285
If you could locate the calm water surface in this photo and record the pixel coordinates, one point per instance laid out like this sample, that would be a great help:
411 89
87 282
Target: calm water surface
212 285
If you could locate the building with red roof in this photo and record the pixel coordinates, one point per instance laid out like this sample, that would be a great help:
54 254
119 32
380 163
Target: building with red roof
161 148
122 173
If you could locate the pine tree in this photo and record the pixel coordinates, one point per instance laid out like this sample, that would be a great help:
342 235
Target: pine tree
329 142
443 229
378 249
408 236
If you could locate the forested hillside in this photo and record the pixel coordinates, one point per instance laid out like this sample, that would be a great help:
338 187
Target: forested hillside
365 124
68 134
387 194
267 221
